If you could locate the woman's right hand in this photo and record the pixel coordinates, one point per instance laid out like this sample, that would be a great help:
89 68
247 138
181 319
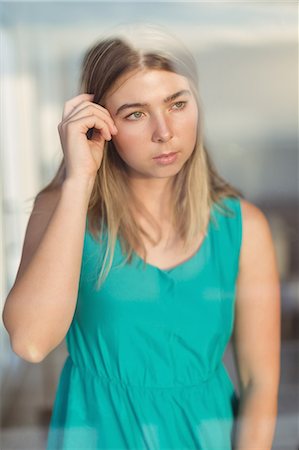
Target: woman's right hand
83 156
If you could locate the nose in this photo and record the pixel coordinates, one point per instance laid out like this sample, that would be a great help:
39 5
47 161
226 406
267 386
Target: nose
162 131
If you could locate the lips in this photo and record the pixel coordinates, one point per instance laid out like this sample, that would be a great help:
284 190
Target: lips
163 155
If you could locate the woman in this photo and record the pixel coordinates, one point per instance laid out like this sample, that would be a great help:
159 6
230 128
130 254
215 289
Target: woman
148 262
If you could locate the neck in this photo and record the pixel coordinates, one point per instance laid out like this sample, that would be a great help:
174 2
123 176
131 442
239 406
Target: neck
154 194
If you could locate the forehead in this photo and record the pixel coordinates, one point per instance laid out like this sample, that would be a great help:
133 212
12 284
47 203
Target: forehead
146 85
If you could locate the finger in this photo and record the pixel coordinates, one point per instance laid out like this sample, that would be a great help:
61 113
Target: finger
85 123
89 106
91 109
71 104
85 103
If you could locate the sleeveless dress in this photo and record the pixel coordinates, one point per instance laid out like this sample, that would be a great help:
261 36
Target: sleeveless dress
145 369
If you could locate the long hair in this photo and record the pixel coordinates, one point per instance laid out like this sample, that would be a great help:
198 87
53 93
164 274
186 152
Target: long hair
196 187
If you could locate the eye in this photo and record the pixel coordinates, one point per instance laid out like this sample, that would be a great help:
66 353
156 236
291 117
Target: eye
134 116
179 105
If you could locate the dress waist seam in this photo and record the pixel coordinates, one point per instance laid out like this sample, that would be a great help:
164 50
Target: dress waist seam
121 383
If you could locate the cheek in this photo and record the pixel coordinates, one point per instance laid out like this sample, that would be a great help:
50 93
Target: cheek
126 141
122 147
193 116
194 121
122 138
188 128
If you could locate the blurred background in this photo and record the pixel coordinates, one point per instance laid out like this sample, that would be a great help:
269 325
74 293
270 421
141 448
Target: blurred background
247 54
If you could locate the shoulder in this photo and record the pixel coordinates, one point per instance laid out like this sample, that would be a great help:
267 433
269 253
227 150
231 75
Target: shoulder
257 241
254 223
251 214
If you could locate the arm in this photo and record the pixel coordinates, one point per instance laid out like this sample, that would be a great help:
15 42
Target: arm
256 336
40 306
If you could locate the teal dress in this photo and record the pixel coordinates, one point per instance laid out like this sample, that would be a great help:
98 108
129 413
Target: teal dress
145 368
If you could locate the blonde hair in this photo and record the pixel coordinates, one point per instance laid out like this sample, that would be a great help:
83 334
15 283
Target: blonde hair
195 187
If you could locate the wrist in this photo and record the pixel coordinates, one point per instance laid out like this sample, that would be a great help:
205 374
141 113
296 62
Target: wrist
79 185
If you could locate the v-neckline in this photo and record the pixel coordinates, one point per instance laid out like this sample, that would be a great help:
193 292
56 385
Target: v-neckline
185 261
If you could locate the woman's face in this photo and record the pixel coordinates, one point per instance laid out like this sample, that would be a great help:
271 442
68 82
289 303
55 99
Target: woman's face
155 113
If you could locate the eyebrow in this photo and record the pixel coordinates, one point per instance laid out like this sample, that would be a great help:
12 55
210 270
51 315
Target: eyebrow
166 100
